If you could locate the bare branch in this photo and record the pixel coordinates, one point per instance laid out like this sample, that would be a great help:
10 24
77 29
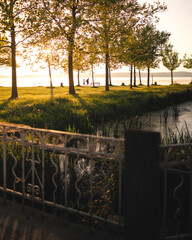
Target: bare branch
25 38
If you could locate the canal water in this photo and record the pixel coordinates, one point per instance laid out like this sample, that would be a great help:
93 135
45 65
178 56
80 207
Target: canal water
174 119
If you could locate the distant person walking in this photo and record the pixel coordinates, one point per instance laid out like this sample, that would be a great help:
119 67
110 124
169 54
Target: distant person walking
83 82
87 81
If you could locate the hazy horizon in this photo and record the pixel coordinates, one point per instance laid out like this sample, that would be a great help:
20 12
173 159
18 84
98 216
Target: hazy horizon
113 74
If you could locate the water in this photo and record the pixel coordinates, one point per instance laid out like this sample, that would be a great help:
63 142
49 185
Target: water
44 81
176 118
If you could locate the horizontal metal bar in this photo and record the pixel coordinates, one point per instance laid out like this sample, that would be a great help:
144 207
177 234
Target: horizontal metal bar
176 171
186 235
59 132
174 163
177 145
61 207
64 149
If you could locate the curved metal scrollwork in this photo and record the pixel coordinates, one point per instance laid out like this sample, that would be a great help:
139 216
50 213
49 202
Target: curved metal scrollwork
59 167
31 188
176 164
178 200
53 177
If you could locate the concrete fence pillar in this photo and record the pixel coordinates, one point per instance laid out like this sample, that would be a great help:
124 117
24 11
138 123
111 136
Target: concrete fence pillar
141 193
190 202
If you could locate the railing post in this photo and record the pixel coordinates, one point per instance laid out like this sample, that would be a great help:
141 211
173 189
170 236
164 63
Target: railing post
4 165
190 205
141 196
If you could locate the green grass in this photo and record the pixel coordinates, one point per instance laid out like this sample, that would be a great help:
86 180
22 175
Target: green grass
88 107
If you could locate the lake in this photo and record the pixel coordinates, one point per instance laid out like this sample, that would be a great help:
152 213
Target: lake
44 81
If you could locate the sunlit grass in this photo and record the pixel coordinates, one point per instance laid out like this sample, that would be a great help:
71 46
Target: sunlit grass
82 111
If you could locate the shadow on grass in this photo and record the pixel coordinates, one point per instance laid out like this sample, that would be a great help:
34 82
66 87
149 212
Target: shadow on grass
4 104
82 101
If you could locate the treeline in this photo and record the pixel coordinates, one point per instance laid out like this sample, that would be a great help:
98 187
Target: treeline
80 34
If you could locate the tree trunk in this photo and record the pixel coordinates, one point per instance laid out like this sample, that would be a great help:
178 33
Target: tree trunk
70 71
106 72
13 62
172 77
140 76
110 83
93 82
134 68
70 39
131 75
78 79
50 77
148 77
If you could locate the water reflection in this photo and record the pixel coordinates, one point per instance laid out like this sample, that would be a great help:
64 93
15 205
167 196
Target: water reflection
175 118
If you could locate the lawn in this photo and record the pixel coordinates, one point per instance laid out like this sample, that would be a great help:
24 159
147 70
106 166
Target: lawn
88 107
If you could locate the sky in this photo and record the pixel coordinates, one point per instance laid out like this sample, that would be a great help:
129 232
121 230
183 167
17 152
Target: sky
176 19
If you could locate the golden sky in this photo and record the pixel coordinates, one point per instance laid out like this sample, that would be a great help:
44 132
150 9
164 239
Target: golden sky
177 20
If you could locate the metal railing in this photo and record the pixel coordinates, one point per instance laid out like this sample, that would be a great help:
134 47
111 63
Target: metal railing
82 174
72 172
176 190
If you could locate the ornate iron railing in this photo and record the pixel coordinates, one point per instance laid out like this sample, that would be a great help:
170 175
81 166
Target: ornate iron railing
176 190
72 172
82 174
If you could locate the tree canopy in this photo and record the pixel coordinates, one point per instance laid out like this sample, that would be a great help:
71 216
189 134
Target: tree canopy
187 62
83 33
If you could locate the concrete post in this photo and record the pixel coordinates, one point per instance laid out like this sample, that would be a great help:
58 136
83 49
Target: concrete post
141 196
190 202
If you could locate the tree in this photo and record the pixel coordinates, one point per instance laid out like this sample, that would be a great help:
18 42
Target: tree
65 21
170 59
42 56
79 62
132 55
150 41
140 41
187 62
7 23
143 49
13 24
106 31
8 12
91 52
92 60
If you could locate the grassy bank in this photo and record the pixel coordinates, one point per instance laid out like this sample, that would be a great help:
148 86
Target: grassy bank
88 107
